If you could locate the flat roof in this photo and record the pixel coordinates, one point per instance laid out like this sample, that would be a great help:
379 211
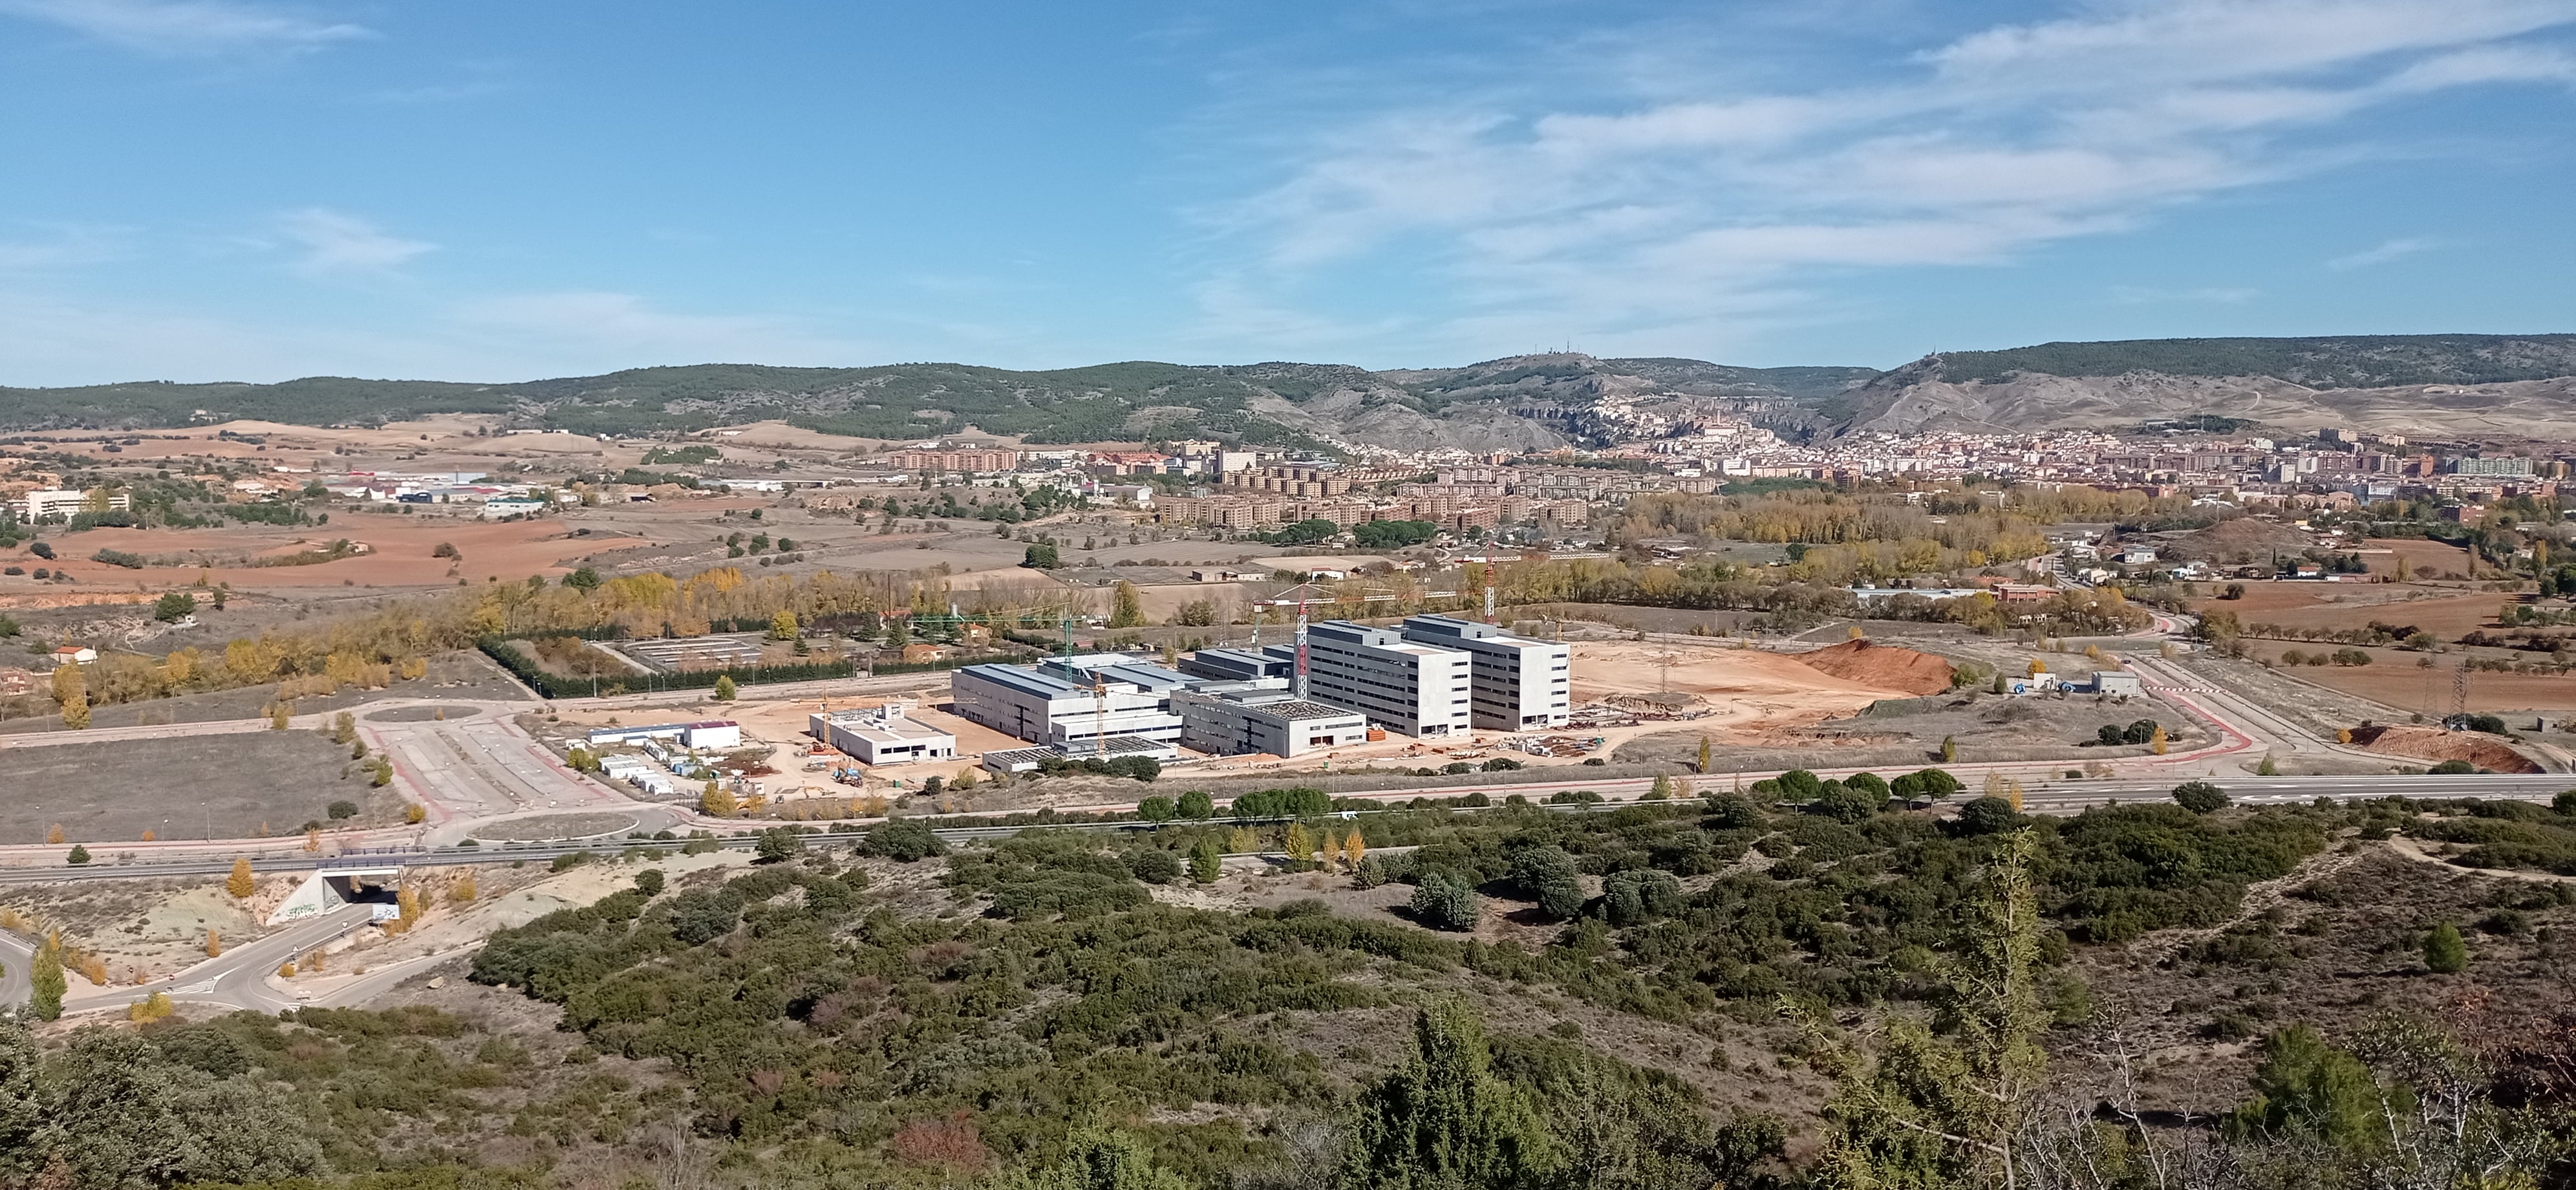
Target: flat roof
1301 708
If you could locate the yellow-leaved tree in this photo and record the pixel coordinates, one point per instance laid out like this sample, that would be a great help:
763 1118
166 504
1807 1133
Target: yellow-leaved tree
71 690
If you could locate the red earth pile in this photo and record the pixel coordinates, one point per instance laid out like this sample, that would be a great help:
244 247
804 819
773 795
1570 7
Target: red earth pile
2428 743
1883 667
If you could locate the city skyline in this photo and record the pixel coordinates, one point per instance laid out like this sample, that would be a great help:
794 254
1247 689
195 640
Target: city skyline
245 191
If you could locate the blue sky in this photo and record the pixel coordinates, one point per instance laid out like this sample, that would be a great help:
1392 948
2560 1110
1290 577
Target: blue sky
470 190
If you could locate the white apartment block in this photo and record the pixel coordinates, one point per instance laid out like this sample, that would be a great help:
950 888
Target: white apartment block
1416 689
1518 684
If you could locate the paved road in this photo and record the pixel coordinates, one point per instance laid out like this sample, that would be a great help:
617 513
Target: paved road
19 956
239 977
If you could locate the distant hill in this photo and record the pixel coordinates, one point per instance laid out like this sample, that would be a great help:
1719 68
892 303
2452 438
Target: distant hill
2441 385
2488 385
1556 397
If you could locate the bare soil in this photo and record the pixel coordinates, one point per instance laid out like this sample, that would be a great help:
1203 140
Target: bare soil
467 675
1885 666
2434 744
251 783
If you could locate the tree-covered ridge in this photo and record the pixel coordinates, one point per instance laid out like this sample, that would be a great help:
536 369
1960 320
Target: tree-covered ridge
2352 361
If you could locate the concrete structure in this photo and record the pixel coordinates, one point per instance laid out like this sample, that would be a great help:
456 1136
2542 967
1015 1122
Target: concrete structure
1241 665
1072 702
1517 683
882 735
1416 689
2115 681
1238 718
714 734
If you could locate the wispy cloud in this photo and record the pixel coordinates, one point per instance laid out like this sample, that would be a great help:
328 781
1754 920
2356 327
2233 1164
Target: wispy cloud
2386 251
190 27
333 244
1623 222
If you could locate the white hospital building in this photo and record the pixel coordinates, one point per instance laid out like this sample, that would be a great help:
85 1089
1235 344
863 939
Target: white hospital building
1518 683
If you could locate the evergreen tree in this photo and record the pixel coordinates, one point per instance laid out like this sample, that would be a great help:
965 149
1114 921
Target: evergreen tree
2306 1089
1941 1101
725 688
2444 951
1445 1120
1207 859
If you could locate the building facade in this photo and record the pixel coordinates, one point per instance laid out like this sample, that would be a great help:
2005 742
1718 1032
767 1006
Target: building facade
1516 683
1416 689
1242 718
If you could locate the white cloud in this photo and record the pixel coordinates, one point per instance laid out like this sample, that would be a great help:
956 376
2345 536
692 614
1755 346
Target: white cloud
189 27
1715 201
2386 251
334 244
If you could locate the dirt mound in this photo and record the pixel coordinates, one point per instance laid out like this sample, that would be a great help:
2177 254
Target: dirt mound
2426 743
1885 667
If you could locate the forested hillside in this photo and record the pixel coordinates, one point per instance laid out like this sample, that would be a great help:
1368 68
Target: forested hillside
1803 985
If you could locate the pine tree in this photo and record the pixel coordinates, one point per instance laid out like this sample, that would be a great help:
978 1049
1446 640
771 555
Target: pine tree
2444 951
242 884
724 688
1444 1119
1207 860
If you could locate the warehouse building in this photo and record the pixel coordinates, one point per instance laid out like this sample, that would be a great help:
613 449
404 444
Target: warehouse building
1240 718
882 735
1081 705
1518 683
1416 689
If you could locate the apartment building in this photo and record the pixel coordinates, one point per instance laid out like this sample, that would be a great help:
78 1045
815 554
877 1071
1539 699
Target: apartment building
1416 689
1516 683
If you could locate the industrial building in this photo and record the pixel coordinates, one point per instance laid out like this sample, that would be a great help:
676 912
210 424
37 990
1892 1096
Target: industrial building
1082 705
1416 689
1518 683
1239 718
1241 665
881 735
